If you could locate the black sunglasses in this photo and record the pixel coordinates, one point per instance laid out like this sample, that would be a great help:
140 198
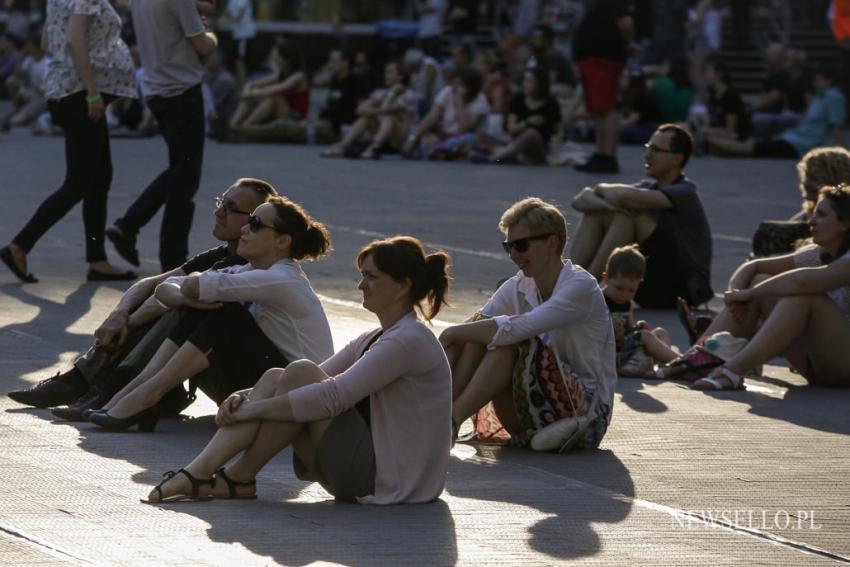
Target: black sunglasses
255 224
521 244
228 207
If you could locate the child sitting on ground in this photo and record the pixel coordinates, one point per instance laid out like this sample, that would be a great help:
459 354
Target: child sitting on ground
639 346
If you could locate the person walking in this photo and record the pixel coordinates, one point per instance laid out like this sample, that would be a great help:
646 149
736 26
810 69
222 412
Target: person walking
172 39
90 67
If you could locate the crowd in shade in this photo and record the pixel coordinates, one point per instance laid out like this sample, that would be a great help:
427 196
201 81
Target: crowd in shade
499 82
537 364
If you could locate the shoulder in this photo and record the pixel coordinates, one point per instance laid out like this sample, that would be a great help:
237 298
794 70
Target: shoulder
575 279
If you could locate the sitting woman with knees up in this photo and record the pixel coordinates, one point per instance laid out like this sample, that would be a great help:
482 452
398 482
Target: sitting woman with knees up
541 350
387 115
371 423
796 306
241 320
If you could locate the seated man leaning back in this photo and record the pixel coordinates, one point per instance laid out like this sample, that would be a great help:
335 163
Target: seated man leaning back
134 329
663 214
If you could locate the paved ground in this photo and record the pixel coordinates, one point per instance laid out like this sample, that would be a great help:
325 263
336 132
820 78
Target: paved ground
769 462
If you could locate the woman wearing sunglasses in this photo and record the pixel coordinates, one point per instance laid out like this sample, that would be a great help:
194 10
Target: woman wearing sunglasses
371 423
541 350
243 320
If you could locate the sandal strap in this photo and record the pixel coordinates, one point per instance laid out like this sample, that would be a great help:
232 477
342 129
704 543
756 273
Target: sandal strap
733 377
196 482
231 483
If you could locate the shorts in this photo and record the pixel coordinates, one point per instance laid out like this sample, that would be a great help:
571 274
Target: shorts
775 149
600 79
345 458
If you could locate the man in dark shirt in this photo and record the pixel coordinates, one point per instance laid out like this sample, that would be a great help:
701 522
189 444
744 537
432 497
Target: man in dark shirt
346 90
133 331
601 45
664 215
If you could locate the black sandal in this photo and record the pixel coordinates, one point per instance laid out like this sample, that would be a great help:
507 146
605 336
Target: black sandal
232 485
197 483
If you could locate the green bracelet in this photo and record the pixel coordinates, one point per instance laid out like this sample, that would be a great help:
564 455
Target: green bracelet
94 98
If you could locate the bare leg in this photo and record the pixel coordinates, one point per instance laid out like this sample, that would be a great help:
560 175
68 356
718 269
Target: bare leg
360 127
657 345
528 144
242 111
157 362
588 236
468 358
608 132
624 229
386 129
268 109
260 439
816 321
491 377
186 362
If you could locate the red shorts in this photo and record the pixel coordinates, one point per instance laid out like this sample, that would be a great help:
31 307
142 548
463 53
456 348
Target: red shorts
600 79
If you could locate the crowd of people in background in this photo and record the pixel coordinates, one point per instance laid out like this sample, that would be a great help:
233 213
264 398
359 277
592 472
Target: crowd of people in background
554 72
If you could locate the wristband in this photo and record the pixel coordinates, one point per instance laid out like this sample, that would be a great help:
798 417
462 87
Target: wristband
94 98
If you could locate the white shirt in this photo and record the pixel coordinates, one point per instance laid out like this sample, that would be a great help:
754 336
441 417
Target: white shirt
575 317
431 24
243 27
282 303
449 124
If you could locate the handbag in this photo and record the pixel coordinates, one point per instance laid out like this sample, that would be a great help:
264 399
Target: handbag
774 237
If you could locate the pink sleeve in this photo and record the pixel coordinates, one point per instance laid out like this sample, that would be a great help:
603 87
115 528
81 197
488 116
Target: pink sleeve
387 360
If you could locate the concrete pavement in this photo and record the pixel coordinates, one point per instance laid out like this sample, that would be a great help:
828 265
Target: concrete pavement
755 477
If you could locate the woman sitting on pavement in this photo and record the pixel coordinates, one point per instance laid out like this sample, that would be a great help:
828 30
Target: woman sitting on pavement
271 315
534 116
389 114
796 306
282 94
458 112
542 348
371 423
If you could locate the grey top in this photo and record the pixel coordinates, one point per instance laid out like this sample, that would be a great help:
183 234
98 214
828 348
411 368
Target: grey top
163 29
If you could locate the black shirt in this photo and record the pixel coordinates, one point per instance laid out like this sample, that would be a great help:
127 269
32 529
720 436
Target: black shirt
343 97
212 259
549 111
598 35
730 102
776 81
799 89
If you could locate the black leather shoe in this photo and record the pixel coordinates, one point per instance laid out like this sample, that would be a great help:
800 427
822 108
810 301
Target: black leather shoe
64 388
9 260
145 419
98 276
125 244
84 406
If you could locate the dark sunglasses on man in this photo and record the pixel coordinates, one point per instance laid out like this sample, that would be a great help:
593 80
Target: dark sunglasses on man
521 244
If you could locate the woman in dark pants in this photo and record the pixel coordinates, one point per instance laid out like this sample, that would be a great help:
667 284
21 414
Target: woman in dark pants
249 318
90 67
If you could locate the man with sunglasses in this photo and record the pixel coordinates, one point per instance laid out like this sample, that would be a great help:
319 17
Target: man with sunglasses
663 214
135 328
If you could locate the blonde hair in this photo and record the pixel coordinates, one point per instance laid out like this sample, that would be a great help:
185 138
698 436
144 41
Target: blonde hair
539 216
825 166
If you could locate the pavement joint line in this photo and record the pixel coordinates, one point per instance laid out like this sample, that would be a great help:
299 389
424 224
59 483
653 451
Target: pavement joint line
45 547
674 512
458 249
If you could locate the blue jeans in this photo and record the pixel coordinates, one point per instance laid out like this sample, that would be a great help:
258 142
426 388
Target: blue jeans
181 120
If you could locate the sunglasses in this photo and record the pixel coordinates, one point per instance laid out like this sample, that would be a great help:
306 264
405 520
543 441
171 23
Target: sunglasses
255 224
521 244
228 207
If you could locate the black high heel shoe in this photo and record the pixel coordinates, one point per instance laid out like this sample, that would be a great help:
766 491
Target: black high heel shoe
145 419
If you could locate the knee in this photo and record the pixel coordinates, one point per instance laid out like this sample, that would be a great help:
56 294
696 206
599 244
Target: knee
297 374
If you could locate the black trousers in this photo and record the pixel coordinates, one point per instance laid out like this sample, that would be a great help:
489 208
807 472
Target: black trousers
181 120
88 175
237 347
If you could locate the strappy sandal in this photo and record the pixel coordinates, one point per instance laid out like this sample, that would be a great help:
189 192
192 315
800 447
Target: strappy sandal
194 496
232 485
713 380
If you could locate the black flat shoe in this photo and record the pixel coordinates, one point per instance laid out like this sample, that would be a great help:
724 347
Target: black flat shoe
9 260
98 276
145 419
124 244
